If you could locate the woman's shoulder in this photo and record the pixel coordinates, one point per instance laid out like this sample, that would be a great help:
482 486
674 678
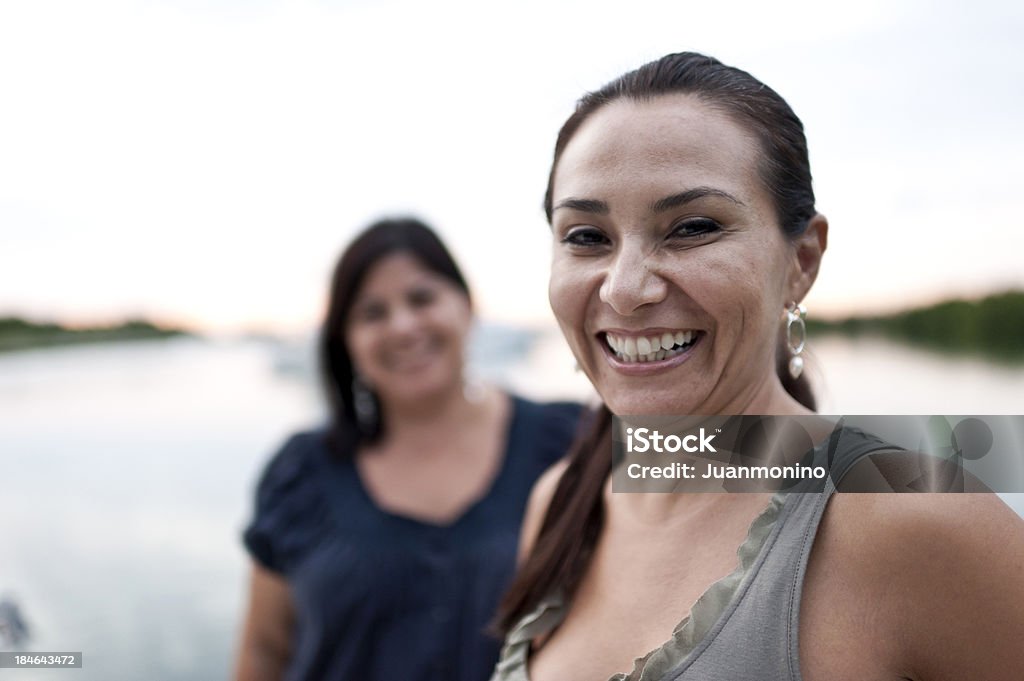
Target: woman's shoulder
874 529
895 526
541 494
929 568
298 454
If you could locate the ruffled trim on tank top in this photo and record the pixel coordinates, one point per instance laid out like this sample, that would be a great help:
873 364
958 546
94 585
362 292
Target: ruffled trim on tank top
548 614
705 612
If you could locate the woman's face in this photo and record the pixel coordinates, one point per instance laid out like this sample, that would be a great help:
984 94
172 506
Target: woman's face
670 274
406 331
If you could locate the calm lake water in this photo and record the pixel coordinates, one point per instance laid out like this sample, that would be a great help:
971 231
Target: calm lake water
127 474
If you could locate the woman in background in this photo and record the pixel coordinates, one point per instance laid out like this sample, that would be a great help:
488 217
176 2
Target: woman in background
381 543
685 237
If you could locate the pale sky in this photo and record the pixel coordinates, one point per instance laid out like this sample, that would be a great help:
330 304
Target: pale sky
205 162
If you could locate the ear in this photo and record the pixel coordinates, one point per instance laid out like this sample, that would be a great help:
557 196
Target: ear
808 249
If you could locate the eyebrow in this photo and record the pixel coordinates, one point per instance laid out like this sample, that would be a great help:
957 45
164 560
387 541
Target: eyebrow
682 198
669 202
584 205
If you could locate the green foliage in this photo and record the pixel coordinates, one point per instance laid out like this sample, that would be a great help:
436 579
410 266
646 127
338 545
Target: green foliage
17 333
993 326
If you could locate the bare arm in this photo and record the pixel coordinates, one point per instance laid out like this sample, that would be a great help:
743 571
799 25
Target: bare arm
927 587
266 637
970 596
537 507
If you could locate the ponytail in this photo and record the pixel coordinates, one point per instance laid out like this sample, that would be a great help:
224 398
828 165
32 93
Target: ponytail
571 526
575 516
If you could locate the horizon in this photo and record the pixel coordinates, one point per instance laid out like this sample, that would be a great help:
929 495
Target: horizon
312 325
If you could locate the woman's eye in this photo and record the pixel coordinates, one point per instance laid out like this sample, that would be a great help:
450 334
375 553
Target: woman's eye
584 237
372 312
421 297
695 228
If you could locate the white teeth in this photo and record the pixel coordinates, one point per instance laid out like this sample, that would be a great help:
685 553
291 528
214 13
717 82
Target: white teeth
632 349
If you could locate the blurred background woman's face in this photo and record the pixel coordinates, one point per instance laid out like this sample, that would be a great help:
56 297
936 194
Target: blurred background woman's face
669 271
407 330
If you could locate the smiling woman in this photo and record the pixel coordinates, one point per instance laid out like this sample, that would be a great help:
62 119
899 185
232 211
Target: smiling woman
685 238
381 542
405 333
650 249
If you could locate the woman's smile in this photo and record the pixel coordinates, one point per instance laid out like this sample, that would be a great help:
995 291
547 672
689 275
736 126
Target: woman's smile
410 355
648 351
679 276
407 330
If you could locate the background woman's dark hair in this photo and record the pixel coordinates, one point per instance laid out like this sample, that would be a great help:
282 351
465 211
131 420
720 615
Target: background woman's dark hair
379 240
575 514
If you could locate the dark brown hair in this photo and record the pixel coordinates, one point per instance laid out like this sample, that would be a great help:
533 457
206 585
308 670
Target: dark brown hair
379 240
575 515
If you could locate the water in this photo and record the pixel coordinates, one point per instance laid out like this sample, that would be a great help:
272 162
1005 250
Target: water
128 471
876 376
127 475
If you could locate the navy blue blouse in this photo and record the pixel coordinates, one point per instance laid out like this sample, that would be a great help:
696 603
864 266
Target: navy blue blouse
384 596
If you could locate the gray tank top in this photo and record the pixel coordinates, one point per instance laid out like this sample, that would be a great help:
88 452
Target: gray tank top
744 627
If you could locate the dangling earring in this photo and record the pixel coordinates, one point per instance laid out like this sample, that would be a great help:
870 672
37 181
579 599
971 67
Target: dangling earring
364 404
796 337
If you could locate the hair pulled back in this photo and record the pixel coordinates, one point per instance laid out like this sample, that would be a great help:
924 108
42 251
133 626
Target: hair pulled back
575 515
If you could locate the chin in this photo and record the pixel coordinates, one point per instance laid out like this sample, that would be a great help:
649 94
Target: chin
652 403
628 406
427 383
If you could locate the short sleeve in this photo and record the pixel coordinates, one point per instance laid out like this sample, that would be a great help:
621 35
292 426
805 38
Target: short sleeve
285 504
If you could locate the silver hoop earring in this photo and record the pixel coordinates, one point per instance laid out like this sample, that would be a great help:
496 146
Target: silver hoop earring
364 404
796 337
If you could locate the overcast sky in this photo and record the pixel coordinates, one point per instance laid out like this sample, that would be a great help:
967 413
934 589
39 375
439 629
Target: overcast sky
204 162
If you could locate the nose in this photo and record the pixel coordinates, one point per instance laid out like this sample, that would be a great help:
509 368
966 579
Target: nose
631 282
403 320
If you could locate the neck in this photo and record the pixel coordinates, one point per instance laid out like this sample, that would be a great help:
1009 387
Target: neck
450 409
767 398
670 508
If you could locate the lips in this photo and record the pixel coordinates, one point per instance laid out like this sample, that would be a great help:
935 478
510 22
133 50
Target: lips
653 347
406 357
